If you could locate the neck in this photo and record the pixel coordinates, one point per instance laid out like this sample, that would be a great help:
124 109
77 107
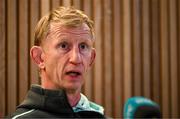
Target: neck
73 98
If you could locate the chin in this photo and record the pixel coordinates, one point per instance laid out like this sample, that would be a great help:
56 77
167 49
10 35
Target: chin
74 87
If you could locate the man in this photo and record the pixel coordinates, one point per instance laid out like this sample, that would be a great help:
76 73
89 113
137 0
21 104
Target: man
63 51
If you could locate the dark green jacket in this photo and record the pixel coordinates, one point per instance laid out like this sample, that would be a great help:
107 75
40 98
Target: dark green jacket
42 103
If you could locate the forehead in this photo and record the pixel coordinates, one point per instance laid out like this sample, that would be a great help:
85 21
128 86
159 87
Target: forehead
59 29
57 32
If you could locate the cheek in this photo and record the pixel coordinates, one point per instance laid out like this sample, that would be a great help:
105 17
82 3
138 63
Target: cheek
55 67
50 65
60 66
51 62
87 62
61 63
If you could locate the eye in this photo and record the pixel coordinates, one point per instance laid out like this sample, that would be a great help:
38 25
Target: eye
83 46
63 45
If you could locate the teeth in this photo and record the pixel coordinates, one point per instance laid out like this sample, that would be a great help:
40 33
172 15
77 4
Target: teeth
73 74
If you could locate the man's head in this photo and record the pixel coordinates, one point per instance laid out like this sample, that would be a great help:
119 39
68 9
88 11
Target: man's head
66 16
63 48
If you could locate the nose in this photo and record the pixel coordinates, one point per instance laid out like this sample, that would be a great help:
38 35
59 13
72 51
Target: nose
75 56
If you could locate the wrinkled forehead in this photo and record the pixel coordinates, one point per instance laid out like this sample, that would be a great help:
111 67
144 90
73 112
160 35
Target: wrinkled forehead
58 32
56 28
60 25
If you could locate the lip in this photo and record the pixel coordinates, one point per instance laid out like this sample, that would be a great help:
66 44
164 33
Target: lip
73 74
75 71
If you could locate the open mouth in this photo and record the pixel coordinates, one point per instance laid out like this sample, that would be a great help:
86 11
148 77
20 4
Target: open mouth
73 73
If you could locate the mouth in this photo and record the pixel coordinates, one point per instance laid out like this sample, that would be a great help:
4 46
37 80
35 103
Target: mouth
73 73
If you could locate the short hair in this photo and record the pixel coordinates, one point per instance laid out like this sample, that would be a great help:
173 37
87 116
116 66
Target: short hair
67 16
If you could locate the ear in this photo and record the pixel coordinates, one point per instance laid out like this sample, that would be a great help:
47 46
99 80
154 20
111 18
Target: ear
36 53
93 56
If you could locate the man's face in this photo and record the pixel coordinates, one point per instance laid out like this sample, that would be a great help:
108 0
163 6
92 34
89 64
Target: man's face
68 53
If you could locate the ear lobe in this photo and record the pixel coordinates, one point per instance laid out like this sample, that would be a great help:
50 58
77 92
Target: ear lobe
36 55
93 56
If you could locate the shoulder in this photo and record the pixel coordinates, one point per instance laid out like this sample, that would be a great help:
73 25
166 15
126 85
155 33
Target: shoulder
30 113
